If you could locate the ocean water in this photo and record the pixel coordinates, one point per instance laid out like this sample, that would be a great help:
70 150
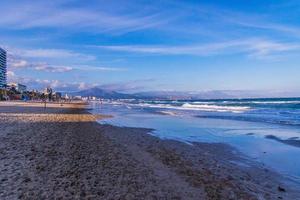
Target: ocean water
266 130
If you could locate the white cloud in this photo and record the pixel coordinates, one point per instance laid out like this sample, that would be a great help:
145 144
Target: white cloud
257 22
14 62
19 63
10 74
98 68
97 19
258 47
224 21
263 49
19 58
82 86
52 54
36 83
47 68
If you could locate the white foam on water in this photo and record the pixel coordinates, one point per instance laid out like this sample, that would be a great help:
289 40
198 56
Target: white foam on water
216 108
203 107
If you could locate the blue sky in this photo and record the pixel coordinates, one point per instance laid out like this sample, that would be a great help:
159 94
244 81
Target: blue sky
141 45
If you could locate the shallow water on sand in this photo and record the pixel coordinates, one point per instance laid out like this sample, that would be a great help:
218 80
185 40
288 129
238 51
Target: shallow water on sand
246 136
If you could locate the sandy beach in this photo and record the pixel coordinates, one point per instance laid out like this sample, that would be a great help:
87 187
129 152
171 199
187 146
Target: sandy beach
61 152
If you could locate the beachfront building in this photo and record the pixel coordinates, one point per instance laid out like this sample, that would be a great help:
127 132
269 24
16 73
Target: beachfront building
48 91
21 88
18 87
57 96
2 68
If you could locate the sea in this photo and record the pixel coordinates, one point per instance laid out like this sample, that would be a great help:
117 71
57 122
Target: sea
266 130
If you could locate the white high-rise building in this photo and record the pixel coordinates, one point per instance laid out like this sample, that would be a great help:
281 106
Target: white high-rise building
2 68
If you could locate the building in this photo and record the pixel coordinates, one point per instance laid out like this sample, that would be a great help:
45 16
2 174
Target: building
18 87
57 96
67 96
2 68
21 88
48 91
77 98
48 94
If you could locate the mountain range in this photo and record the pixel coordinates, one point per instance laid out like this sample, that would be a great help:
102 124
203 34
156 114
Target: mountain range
171 95
101 93
109 94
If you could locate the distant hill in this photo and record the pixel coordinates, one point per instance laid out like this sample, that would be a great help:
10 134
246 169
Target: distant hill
172 95
183 95
108 94
101 93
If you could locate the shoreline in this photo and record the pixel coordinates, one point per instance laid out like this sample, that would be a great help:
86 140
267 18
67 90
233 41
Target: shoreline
216 156
70 155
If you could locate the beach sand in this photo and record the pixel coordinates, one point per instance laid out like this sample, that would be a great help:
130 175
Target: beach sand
61 152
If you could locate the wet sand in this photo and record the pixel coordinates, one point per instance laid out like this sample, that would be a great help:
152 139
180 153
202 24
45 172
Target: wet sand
294 141
62 153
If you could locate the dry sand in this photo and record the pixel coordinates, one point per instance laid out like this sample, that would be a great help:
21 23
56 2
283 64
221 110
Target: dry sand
62 153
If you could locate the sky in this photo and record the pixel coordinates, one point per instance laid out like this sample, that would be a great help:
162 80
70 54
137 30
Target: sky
140 45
